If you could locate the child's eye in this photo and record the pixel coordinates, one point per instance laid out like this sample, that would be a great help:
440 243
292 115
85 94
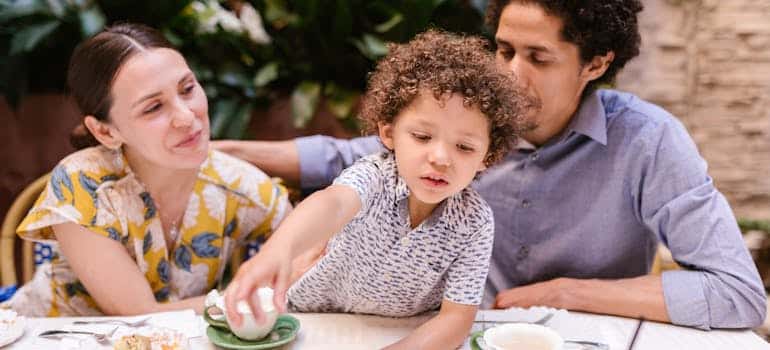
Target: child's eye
420 137
465 148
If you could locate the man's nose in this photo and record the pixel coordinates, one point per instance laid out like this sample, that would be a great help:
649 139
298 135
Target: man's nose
521 70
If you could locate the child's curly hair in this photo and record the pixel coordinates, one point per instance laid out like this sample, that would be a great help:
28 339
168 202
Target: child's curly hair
446 64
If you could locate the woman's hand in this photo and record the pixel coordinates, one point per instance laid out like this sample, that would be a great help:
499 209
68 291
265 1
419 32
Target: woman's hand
266 269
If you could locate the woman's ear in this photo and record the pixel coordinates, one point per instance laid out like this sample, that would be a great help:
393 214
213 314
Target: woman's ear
103 132
386 134
598 65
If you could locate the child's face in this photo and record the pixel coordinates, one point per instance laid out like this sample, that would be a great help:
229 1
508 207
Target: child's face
438 149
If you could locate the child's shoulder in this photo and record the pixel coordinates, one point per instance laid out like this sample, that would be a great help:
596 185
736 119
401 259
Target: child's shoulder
470 209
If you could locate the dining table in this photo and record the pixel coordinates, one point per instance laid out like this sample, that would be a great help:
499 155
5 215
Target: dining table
353 331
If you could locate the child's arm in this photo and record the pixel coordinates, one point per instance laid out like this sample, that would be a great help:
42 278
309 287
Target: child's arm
447 330
315 220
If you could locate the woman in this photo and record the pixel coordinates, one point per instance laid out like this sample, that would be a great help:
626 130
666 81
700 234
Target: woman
148 219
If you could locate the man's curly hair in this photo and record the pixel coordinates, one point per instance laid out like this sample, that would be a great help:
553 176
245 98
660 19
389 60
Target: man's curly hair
596 27
443 64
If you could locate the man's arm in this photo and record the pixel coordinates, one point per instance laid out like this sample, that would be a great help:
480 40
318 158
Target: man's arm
312 162
718 287
631 297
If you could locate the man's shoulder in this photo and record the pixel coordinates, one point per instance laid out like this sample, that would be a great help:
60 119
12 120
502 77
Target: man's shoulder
633 120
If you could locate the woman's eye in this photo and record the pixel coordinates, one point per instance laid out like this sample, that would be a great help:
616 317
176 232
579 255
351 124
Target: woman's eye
152 108
188 89
465 148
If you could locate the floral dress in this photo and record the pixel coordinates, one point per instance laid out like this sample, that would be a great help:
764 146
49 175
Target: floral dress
232 202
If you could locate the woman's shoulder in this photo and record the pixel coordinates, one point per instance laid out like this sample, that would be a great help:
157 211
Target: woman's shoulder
238 176
94 161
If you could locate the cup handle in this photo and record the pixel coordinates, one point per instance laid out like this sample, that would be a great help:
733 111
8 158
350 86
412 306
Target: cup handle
215 323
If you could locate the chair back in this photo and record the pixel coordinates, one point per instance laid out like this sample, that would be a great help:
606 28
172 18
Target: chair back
18 210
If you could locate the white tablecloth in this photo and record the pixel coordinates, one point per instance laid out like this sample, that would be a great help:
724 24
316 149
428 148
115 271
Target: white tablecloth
345 331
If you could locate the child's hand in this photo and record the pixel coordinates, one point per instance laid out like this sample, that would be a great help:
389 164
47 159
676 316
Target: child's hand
264 269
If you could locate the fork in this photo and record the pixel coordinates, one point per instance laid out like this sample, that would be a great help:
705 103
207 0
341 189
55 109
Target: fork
58 333
135 323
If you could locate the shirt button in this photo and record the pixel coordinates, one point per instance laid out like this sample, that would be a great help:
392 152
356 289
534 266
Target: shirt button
526 203
387 276
533 156
523 253
405 241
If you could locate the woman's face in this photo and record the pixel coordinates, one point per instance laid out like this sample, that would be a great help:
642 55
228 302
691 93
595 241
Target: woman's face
159 111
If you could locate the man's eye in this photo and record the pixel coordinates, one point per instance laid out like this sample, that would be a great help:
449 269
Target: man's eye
537 60
507 54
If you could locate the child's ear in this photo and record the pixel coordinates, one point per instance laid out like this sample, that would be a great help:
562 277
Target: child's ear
386 134
103 132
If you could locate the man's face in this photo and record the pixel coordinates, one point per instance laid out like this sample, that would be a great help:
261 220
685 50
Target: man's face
529 43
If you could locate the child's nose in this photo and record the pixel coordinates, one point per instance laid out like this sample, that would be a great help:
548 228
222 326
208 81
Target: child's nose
439 155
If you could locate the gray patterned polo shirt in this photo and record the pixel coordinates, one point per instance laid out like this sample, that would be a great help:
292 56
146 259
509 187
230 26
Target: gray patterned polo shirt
378 265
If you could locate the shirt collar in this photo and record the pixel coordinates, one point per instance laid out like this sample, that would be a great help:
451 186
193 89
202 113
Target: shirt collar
590 119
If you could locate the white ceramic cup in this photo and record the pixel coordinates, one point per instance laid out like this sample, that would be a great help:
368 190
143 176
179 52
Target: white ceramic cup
249 328
518 336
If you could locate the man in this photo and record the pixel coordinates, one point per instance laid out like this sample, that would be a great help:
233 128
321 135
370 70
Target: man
602 178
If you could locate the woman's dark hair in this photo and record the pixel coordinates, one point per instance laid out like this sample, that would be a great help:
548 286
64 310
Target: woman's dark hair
596 27
94 65
443 64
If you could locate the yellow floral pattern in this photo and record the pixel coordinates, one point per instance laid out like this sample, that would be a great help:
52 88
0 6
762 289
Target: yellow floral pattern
232 203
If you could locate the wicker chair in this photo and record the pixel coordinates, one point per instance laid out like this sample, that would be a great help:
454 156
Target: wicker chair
16 213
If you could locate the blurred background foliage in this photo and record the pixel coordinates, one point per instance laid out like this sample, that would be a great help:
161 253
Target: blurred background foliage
246 54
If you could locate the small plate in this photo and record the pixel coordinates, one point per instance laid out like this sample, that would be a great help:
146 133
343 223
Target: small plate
284 331
13 332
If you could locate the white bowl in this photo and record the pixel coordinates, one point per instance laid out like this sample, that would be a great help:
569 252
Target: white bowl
517 336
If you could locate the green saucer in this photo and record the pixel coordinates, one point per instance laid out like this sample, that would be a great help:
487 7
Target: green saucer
474 337
284 331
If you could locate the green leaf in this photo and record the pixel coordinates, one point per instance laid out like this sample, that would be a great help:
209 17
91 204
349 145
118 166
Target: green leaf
371 46
266 74
278 15
233 75
223 111
239 122
28 38
174 39
16 9
92 20
304 101
392 22
340 101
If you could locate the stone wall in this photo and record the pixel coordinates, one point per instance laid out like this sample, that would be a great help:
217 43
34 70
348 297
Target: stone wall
708 62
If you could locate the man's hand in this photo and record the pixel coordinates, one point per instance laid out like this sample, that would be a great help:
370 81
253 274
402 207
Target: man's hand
549 293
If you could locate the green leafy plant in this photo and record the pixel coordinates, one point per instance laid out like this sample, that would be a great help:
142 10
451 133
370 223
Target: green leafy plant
247 54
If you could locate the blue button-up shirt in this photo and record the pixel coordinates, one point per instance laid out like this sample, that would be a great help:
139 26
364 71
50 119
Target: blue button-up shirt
595 201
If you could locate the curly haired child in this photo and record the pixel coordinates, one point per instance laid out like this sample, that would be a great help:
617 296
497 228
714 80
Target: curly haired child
406 232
